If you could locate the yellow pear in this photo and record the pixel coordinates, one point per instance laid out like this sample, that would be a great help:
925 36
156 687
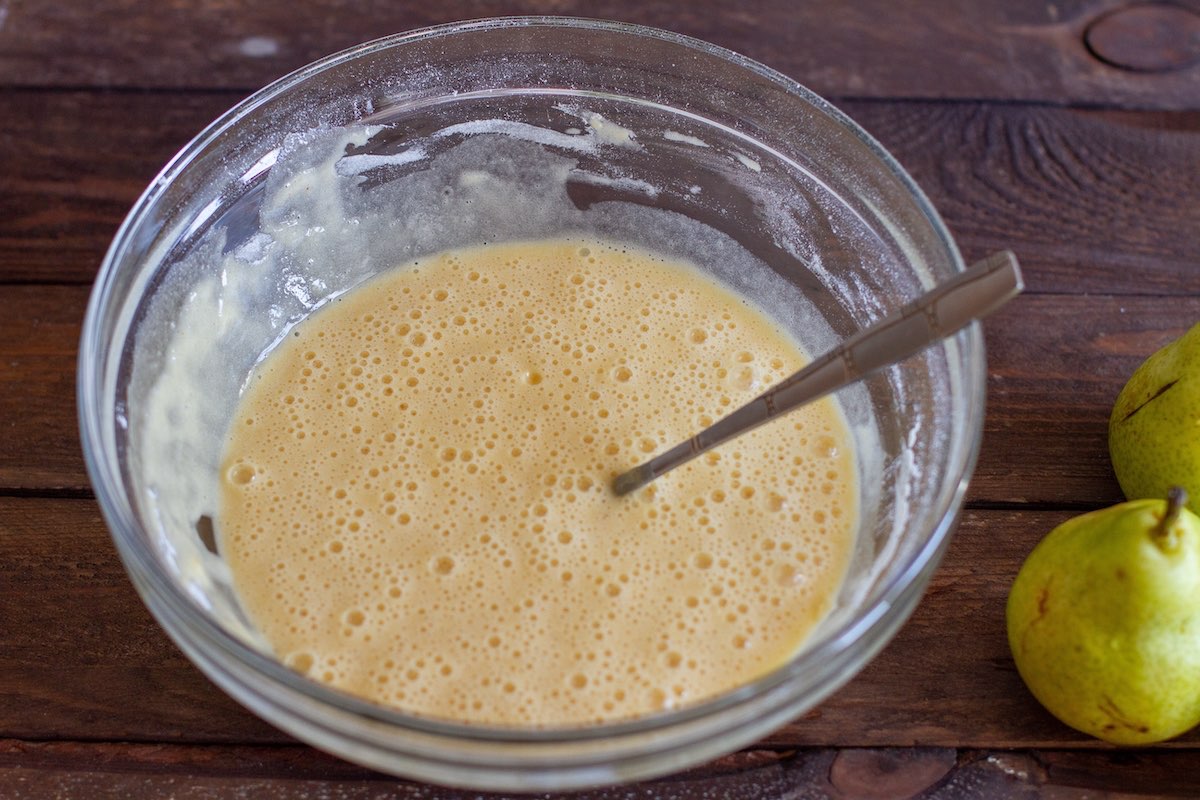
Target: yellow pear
1154 431
1104 621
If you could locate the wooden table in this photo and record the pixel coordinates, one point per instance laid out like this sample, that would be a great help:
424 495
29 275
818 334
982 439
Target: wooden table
1068 131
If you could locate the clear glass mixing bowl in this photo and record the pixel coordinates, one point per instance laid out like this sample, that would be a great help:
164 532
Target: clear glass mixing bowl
678 130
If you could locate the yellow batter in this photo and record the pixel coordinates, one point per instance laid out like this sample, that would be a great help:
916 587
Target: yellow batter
416 503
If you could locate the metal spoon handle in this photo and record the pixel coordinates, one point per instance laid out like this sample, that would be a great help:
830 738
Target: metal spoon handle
933 316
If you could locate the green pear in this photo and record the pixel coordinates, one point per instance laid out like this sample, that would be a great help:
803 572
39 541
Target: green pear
1104 621
1154 431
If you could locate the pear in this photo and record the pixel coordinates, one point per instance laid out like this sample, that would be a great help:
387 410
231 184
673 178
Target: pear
1104 621
1154 431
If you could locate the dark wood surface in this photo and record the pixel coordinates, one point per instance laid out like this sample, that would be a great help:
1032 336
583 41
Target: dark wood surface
1068 131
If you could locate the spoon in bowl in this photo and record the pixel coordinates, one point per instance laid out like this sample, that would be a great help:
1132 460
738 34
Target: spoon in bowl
935 315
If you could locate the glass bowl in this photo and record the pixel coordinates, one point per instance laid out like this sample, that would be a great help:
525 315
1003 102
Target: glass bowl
659 134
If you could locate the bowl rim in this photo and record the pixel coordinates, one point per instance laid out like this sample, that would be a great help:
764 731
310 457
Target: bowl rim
155 586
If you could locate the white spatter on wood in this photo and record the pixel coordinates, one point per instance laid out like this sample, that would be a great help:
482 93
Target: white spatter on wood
258 46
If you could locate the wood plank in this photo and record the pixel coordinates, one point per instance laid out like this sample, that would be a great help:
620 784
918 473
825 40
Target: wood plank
112 770
1056 364
1091 201
1082 197
39 432
1029 51
71 166
80 656
86 662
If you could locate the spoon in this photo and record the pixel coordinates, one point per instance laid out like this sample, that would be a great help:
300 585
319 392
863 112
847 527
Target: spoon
933 316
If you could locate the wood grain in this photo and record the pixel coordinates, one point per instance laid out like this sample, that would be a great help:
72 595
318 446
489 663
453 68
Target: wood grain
86 662
1045 425
1028 50
39 337
111 770
71 166
1055 366
1090 201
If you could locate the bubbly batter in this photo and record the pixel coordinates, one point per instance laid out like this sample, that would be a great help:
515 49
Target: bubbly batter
415 491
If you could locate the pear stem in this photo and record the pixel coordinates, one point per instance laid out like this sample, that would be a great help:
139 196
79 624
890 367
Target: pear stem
1176 500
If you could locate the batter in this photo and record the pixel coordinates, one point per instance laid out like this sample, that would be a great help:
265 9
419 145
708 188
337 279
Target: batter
416 505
